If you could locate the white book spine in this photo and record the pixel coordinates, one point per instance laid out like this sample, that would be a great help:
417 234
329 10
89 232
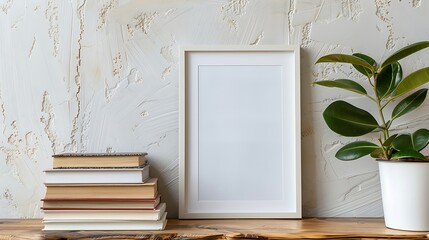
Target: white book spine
105 225
126 175
83 215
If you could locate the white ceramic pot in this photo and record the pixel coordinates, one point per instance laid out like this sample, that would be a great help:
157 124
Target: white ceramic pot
405 193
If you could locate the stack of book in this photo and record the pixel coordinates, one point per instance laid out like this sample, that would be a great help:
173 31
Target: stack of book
102 192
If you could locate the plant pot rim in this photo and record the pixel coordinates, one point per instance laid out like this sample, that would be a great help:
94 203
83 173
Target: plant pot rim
403 160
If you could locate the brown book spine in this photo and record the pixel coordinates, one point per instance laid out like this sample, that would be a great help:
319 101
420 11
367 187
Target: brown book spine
145 190
100 199
47 208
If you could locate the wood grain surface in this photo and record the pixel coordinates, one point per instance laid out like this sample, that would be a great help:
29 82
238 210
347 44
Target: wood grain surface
312 228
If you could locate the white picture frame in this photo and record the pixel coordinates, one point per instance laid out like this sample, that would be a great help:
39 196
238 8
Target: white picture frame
239 130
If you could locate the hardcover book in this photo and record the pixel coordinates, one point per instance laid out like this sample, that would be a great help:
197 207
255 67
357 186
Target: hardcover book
153 215
95 160
108 190
101 203
130 225
97 175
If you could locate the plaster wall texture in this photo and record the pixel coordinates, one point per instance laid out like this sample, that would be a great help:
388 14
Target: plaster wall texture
102 76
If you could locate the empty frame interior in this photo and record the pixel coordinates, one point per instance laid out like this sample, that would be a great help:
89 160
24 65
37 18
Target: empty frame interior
240 134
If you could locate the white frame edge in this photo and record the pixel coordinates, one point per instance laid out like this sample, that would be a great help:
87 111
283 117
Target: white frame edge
183 214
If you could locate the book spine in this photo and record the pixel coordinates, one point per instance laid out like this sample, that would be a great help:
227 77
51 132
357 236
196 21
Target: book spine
99 176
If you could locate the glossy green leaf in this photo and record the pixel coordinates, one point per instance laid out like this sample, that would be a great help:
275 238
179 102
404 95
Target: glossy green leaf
345 84
421 139
404 52
344 58
412 81
355 150
416 141
409 103
367 59
348 120
389 141
403 142
388 79
408 154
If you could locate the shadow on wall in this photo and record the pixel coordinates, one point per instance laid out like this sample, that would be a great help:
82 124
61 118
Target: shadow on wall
308 151
168 195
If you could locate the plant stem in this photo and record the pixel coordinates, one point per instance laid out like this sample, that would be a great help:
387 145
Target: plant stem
380 111
385 126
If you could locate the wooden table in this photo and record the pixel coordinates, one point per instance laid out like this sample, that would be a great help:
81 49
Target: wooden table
311 228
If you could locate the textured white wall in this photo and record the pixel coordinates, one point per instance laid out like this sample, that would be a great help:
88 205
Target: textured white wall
102 75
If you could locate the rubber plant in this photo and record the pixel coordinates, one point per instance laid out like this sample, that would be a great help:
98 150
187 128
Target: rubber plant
387 84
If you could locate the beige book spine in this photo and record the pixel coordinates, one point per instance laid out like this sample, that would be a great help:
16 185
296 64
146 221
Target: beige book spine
105 161
71 191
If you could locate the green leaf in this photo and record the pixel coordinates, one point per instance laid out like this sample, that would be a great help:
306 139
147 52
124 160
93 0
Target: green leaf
403 142
344 58
404 52
388 79
416 141
408 154
421 139
346 84
355 150
348 120
412 81
409 103
367 59
389 141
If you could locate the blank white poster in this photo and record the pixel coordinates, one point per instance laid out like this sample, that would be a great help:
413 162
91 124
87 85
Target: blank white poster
239 125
